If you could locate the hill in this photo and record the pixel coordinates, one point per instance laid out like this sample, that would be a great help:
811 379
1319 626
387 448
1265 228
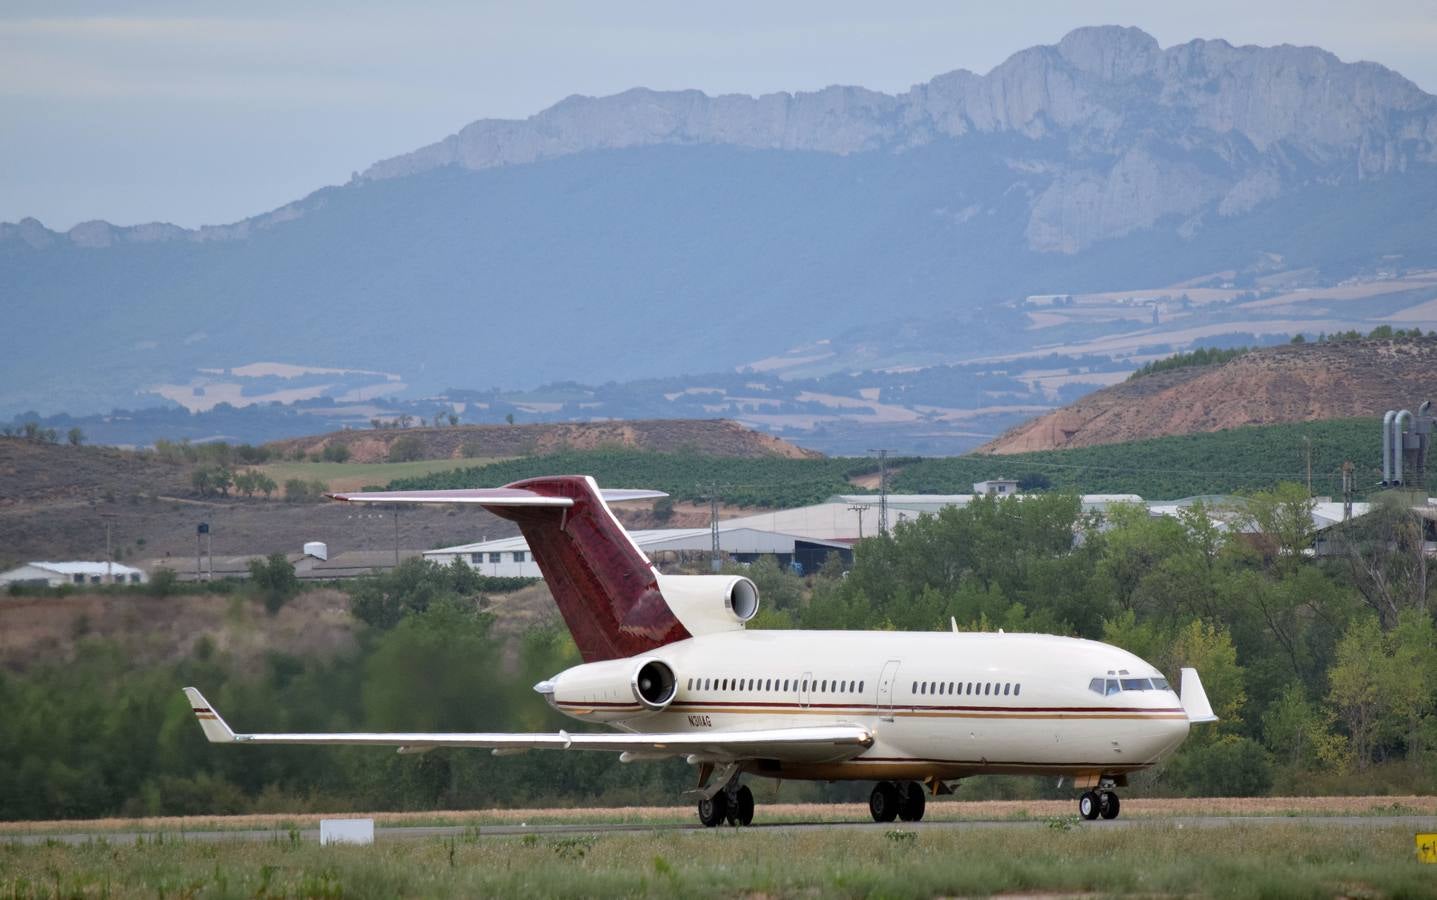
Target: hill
711 437
663 233
1290 383
1229 461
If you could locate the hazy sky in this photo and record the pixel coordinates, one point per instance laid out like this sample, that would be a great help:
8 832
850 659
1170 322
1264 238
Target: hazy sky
195 113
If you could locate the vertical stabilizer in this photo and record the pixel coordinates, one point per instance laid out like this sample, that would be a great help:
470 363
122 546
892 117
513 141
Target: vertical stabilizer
606 589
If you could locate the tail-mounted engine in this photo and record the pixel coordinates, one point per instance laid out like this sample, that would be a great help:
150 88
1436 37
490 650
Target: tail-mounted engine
612 691
709 603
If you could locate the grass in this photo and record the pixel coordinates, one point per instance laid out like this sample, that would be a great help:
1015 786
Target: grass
1269 861
350 476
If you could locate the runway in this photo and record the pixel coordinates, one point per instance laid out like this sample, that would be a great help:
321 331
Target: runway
472 832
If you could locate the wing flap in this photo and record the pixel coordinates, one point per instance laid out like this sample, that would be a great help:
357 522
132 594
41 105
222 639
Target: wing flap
830 743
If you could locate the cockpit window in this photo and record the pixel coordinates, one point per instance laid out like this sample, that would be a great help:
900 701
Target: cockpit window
1161 684
1112 687
1137 684
1096 686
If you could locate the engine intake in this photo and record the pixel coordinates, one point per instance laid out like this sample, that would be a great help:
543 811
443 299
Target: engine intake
742 599
654 684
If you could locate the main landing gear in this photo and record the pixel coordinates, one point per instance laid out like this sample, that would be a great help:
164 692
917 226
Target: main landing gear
897 800
733 804
1098 803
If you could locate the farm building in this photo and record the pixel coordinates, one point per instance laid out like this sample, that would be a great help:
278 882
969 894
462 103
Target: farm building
511 556
56 574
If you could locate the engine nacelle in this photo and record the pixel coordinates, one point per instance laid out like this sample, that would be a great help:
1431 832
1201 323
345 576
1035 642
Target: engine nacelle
613 690
709 603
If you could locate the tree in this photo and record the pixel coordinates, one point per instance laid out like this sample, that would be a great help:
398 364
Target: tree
265 484
75 436
1386 558
406 449
335 452
246 482
275 580
453 419
1282 518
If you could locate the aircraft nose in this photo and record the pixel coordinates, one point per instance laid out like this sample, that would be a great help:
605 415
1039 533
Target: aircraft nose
1165 736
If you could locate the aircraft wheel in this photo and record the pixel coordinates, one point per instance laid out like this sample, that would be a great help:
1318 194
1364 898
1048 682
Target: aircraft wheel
883 802
1108 805
1089 805
742 813
912 803
713 810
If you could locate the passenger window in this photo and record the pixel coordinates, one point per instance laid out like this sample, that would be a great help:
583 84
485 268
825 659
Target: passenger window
915 687
987 688
860 687
950 687
1016 689
1006 688
804 684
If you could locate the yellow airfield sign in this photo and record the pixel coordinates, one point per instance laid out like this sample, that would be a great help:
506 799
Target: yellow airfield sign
1427 847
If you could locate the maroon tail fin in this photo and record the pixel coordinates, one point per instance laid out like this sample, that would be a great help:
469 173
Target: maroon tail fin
605 588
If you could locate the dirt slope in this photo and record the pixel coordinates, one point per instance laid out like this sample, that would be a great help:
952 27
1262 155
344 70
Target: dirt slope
1291 383
712 437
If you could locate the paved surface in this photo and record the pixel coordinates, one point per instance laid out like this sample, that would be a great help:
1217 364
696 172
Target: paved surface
410 833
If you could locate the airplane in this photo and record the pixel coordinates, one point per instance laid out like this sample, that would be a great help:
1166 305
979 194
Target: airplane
668 663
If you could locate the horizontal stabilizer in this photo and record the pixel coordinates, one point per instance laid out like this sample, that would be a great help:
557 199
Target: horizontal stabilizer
826 743
489 497
1194 699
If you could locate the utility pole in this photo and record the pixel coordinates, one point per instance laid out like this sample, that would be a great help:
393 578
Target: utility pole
715 562
1347 491
860 508
109 557
1308 442
882 490
200 532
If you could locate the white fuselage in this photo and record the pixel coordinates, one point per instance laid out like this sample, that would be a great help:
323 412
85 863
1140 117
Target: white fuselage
939 705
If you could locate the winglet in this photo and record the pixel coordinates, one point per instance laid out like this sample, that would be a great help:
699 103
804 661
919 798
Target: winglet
215 728
1194 699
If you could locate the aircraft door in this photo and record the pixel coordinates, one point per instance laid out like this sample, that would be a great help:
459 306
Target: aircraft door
885 689
805 690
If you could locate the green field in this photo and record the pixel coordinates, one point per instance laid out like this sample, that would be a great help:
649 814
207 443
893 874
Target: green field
348 476
1275 860
1222 462
764 481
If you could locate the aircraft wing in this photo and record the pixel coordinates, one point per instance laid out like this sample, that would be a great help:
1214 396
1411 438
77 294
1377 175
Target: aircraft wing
829 743
489 497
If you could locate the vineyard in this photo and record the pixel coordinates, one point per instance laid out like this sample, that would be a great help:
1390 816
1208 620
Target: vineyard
1222 462
773 482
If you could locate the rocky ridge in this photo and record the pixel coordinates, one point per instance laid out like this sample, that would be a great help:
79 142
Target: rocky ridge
1145 132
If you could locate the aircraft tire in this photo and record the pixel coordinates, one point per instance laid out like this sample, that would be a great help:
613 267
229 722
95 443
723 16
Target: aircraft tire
742 813
1089 805
1108 805
883 802
714 810
912 803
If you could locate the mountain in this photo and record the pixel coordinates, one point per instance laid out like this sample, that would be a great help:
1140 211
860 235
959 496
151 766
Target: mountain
662 233
1293 383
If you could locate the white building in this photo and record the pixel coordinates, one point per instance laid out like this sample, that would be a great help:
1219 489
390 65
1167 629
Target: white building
510 557
56 574
1000 486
